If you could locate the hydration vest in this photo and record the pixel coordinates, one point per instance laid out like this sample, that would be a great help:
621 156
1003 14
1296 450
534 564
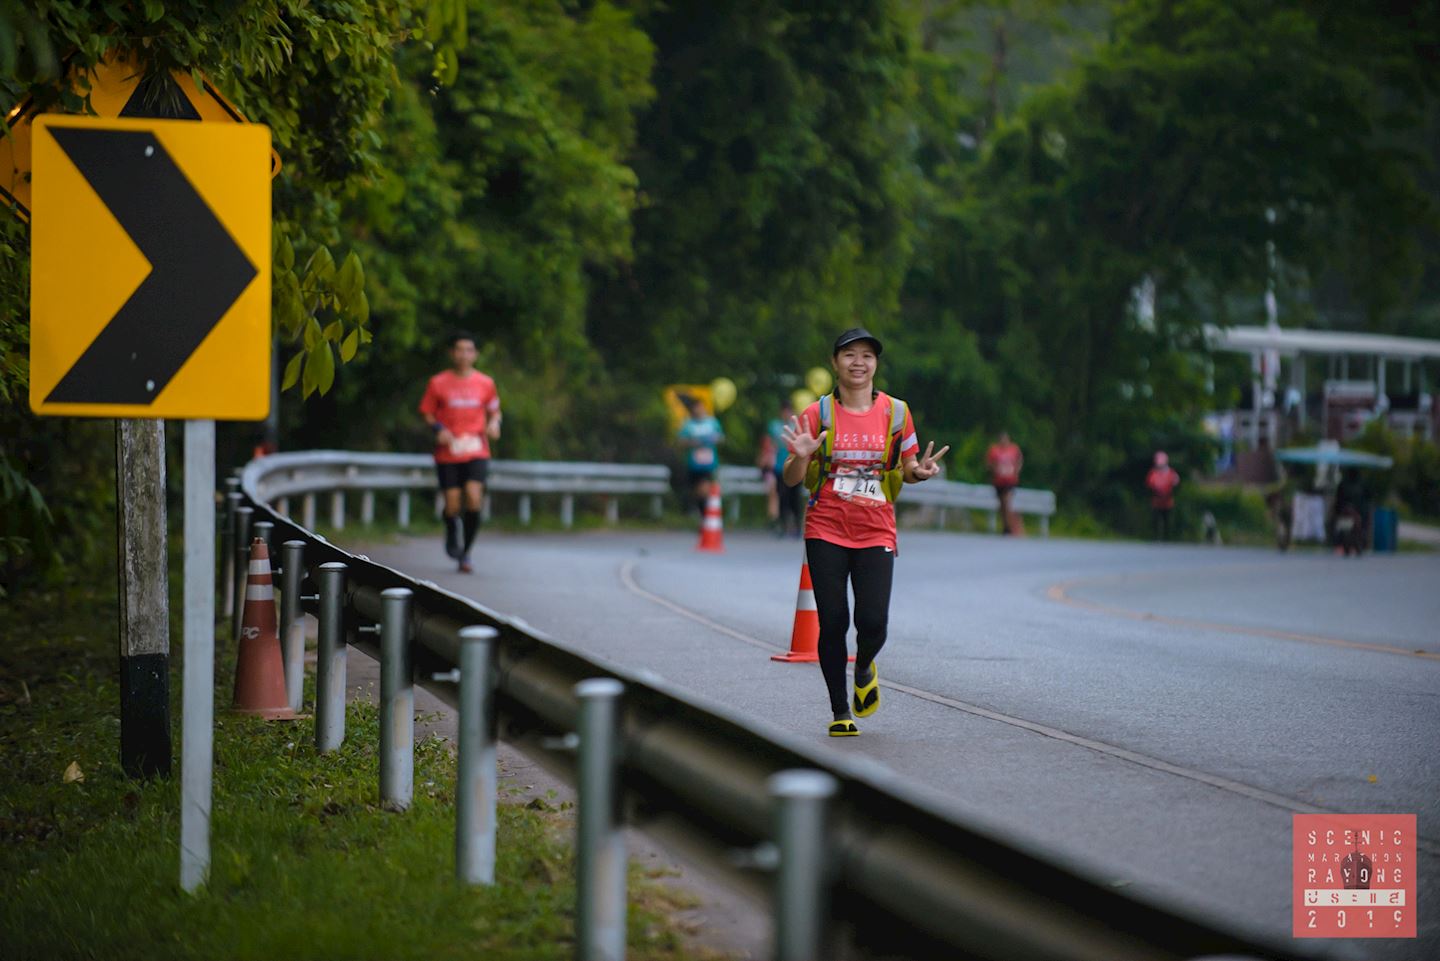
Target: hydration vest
892 475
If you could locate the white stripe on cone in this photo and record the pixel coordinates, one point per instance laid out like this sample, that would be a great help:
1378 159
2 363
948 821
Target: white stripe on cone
260 567
259 592
711 524
805 601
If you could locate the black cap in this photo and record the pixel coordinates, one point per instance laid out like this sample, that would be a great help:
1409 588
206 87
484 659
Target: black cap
854 334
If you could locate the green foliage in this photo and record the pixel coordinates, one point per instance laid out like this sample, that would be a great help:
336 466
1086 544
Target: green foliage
1415 477
90 867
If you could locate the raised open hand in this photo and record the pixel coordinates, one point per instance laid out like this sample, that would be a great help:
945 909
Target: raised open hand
798 440
929 463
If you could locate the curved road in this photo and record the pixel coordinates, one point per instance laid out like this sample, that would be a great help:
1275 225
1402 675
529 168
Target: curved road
1152 715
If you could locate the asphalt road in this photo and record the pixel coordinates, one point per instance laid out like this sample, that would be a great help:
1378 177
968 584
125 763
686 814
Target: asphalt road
1151 715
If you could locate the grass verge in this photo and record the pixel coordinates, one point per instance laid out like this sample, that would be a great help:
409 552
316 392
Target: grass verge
305 863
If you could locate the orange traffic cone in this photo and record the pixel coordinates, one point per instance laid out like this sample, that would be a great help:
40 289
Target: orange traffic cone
712 525
259 670
805 635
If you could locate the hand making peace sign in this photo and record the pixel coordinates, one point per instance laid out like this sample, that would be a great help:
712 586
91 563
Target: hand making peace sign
929 463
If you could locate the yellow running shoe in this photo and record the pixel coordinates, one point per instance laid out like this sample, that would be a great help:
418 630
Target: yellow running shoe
867 698
844 729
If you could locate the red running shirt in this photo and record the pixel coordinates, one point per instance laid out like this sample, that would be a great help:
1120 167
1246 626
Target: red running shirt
1162 482
1004 461
856 514
463 406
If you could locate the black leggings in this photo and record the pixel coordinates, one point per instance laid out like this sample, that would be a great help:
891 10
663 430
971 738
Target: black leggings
869 571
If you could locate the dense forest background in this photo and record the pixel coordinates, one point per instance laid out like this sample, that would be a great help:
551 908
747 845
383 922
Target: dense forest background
616 196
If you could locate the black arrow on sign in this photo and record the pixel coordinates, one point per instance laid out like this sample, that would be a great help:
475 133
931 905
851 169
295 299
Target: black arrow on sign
196 269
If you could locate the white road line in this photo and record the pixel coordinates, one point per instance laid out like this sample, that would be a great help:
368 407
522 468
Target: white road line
627 577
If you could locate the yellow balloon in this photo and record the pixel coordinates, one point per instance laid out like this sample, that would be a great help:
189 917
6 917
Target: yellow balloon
722 392
819 380
801 399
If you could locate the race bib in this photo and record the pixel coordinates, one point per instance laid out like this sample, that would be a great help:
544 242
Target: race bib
704 457
862 487
466 444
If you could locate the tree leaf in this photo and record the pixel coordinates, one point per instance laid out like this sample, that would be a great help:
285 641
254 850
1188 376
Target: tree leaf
284 253
292 371
349 345
350 281
334 330
320 268
323 362
313 334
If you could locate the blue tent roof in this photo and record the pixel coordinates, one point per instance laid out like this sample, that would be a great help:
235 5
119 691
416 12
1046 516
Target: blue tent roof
1332 455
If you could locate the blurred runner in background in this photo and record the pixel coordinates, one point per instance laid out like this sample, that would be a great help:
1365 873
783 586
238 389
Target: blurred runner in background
1162 481
1005 460
701 437
787 495
462 407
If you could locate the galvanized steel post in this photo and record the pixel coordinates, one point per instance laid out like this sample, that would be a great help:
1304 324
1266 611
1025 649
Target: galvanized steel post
307 512
242 566
476 775
600 847
330 664
367 507
402 510
337 510
292 622
227 552
263 530
803 880
397 701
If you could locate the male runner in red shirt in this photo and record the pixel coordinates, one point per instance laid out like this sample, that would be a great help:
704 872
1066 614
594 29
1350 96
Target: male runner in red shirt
1005 460
462 407
1162 481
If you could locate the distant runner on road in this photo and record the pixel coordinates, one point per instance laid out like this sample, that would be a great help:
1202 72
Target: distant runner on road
462 407
701 436
1162 481
854 448
1005 460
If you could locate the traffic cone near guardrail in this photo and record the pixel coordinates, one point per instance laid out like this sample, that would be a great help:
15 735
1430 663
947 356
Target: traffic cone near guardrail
712 524
259 669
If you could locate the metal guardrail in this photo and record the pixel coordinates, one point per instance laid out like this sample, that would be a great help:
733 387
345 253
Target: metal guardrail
893 857
338 472
941 495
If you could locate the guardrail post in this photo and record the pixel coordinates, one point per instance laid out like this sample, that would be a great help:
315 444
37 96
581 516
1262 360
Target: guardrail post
943 515
486 508
1044 525
367 507
994 522
612 510
525 509
734 510
402 510
657 506
242 567
600 848
802 881
282 507
307 512
397 701
292 623
337 510
227 551
330 665
567 511
263 530
476 776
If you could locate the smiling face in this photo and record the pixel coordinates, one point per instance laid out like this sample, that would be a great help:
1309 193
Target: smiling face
855 365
